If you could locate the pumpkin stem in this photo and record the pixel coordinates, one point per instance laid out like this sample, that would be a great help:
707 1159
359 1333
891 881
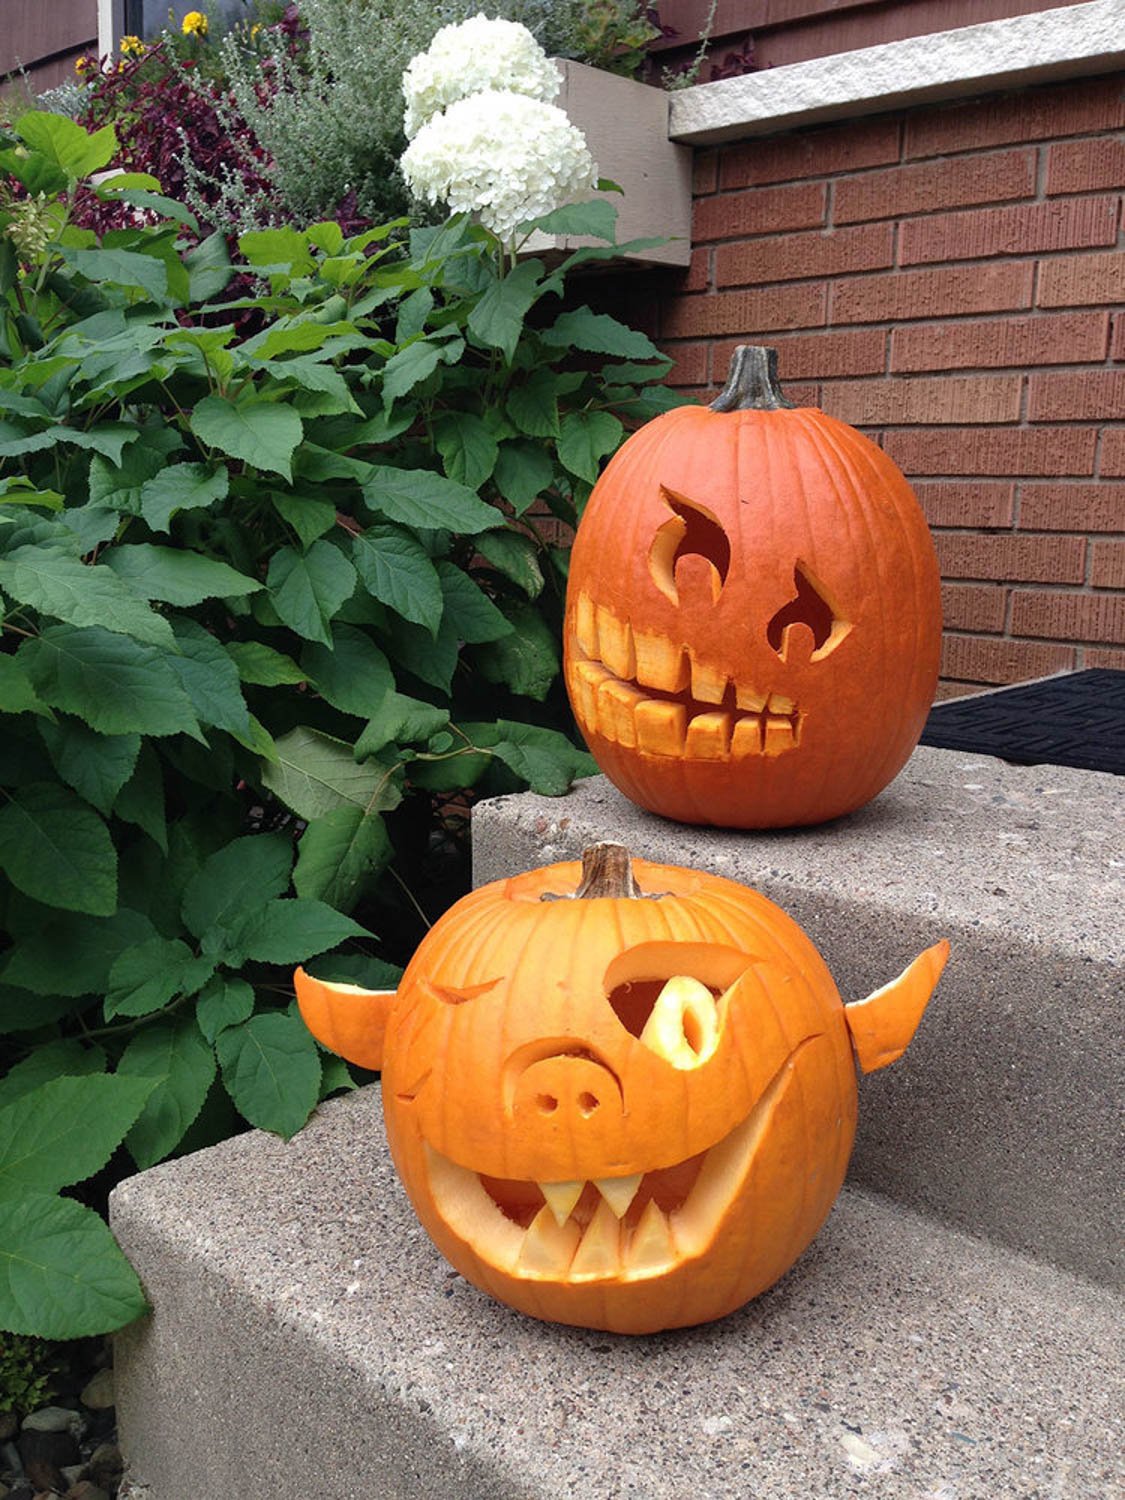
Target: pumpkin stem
752 384
607 870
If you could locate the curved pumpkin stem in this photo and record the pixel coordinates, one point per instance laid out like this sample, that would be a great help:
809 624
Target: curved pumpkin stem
346 1019
882 1025
752 384
607 870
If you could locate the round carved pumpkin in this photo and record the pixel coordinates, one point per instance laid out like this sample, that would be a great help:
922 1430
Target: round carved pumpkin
753 618
620 1097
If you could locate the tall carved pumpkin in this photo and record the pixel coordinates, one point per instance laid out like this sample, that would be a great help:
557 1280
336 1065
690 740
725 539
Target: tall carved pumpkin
753 617
619 1096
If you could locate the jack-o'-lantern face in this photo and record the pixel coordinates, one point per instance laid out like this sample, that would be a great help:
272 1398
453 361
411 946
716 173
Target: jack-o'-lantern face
753 618
642 1114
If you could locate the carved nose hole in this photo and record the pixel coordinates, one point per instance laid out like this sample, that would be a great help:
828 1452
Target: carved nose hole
693 532
547 1103
588 1103
811 608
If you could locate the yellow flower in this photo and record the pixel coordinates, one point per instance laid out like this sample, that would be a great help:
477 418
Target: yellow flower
131 46
257 26
194 24
83 65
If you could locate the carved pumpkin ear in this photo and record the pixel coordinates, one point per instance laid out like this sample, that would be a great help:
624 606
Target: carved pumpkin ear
346 1019
882 1025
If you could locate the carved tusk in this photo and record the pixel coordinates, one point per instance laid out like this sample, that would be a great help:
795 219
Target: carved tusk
882 1025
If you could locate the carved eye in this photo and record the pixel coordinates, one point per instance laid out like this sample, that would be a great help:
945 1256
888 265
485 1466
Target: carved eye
693 531
808 607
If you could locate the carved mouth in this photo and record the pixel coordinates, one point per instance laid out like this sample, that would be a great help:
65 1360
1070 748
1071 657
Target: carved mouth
619 1228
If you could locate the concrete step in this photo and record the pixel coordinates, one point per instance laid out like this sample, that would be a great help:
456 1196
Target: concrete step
308 1340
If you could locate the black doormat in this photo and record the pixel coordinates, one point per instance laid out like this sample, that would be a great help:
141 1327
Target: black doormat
1077 720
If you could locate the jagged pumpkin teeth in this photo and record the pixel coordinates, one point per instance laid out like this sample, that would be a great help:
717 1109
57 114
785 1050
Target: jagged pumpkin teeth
651 1247
561 1197
660 727
707 684
617 705
549 1246
779 704
747 737
619 1192
615 645
586 626
590 676
708 737
661 664
749 699
779 736
599 1254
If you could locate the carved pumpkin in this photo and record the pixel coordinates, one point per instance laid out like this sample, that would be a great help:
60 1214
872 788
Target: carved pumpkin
753 617
627 1103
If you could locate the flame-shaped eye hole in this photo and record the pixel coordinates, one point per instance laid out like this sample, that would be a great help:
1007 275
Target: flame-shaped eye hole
448 995
811 608
692 531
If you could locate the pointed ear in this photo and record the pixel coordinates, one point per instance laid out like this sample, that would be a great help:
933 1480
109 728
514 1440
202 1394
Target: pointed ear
346 1019
883 1024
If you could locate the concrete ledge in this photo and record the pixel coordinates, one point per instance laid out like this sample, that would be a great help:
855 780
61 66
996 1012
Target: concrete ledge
1068 42
308 1340
1003 1116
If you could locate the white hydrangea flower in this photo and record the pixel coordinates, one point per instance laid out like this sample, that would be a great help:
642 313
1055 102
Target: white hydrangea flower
500 155
471 57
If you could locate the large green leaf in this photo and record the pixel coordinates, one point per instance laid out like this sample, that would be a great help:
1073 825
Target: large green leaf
407 369
120 486
141 799
17 696
468 609
315 773
596 218
417 497
175 576
66 1130
527 660
523 471
259 433
73 954
208 267
223 1002
432 659
289 930
534 404
79 593
598 333
544 758
66 143
497 319
181 1065
117 685
516 556
181 487
308 517
271 1069
65 1057
586 437
338 853
145 978
407 720
396 569
123 267
263 665
209 678
97 766
352 674
307 589
468 450
62 1275
57 850
244 874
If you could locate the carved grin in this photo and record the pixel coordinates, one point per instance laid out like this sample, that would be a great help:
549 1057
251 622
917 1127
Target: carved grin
624 1228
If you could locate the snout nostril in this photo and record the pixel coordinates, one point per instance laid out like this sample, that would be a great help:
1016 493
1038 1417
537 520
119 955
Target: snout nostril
547 1103
588 1102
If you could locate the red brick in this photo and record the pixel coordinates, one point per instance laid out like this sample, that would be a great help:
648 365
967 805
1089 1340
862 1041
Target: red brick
928 186
1062 224
698 277
897 296
1091 395
820 355
741 313
1084 166
1045 338
1023 559
1113 454
1078 280
967 398
1107 565
1069 617
1072 507
789 257
704 172
1103 656
1117 338
996 450
984 503
811 153
1029 115
760 211
692 364
969 606
983 659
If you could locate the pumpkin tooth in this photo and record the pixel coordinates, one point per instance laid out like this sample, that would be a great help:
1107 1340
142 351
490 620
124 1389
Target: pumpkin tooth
617 704
660 727
749 699
561 1197
747 737
651 1246
661 664
708 737
780 705
585 625
780 735
588 677
599 1254
615 644
548 1245
619 1192
708 684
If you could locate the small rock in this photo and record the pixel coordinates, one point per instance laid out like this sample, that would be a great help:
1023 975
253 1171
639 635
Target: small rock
72 1473
86 1491
9 1425
44 1454
97 1393
105 1466
10 1462
54 1419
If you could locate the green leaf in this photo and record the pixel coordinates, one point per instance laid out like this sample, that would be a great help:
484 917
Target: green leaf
97 766
417 497
278 247
120 486
516 556
432 659
523 471
289 930
338 854
56 849
66 1057
182 1066
117 685
243 874
352 674
407 369
259 433
598 333
263 665
356 968
468 450
497 319
208 267
307 589
72 955
62 1274
395 568
271 1069
65 143
315 773
469 610
544 758
209 678
20 1010
596 219
407 720
223 1002
17 696
141 799
66 1130
527 660
145 978
534 405
123 268
136 189
79 593
175 576
309 518
586 437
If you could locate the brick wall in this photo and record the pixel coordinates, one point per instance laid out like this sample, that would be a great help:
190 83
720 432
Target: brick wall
950 281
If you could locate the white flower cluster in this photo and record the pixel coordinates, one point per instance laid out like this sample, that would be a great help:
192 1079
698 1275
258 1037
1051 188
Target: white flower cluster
486 139
471 57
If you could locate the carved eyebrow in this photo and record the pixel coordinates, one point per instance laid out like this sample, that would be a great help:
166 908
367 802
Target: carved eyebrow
449 995
809 607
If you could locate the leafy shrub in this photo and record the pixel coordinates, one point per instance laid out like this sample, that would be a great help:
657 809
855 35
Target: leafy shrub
26 1374
265 598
